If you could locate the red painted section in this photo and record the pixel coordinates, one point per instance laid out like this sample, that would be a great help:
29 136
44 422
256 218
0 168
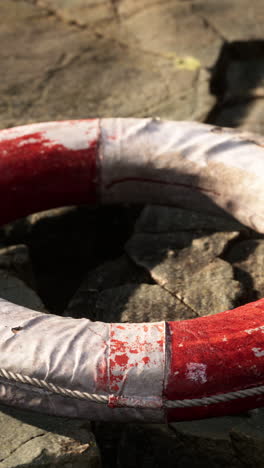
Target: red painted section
214 355
37 174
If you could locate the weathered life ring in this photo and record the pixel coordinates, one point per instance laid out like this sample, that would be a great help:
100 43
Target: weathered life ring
149 371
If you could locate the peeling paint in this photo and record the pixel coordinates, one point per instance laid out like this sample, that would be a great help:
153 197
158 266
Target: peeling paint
196 372
258 352
135 351
252 330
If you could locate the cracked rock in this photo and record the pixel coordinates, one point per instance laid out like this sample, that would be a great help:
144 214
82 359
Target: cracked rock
126 19
238 81
82 12
193 273
17 279
211 290
233 20
246 116
14 290
153 446
236 442
40 84
62 245
107 275
16 259
140 303
30 439
247 257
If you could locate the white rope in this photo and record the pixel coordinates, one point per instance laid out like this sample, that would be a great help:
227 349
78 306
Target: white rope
103 399
66 392
221 398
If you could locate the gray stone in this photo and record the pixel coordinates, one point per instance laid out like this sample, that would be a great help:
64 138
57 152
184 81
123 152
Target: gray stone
114 273
204 99
82 12
244 115
108 275
212 289
239 83
235 442
247 440
172 261
167 37
207 443
17 282
28 439
16 259
116 77
247 257
147 446
140 303
245 75
148 250
233 20
169 34
62 246
23 229
194 274
14 290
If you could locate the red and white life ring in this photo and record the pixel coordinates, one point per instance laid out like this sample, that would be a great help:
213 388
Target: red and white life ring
149 371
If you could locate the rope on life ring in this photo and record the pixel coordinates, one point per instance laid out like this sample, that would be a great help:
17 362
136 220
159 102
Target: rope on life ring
162 371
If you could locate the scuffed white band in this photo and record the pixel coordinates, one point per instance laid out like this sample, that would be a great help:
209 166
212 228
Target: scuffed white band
126 363
183 163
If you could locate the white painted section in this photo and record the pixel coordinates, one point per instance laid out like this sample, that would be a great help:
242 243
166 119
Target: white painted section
75 354
137 366
183 163
73 134
196 372
193 141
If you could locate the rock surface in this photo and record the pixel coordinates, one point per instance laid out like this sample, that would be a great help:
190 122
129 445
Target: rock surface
38 440
194 274
16 278
239 84
140 303
247 257
236 442
90 72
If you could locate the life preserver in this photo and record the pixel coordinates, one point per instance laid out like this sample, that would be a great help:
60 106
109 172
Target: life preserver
150 371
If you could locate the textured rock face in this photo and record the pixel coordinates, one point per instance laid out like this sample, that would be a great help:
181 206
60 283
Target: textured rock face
16 277
100 70
83 58
199 59
247 258
30 440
